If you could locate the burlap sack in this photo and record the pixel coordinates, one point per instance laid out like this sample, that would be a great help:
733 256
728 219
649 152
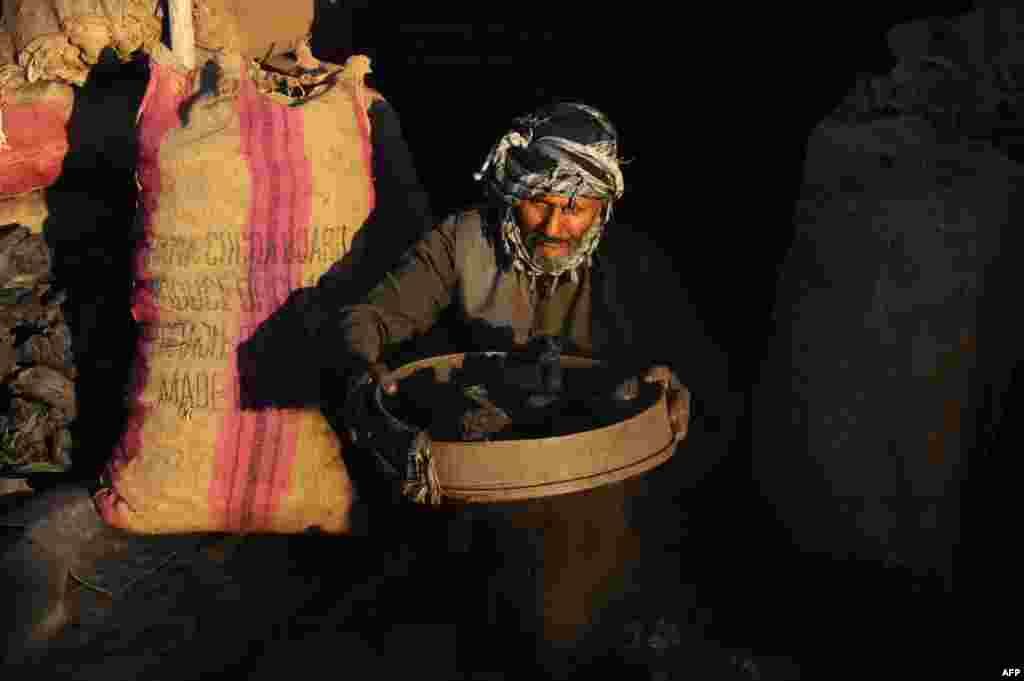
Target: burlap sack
868 392
8 55
254 28
60 40
248 201
33 136
893 346
27 209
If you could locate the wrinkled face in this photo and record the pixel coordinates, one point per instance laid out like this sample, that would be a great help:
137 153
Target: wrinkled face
551 230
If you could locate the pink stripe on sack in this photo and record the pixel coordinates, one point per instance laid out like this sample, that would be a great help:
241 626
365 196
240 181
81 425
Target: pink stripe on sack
158 114
233 446
267 223
259 148
270 182
292 204
301 225
299 228
257 448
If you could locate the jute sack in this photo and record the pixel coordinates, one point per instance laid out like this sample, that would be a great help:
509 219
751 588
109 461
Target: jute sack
27 209
33 138
256 29
255 196
8 55
872 378
60 40
892 348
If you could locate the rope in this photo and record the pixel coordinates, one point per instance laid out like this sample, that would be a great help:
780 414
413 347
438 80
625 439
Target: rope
424 487
304 56
421 484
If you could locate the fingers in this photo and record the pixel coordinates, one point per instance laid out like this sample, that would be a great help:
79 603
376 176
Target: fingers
664 375
678 398
683 395
679 413
658 374
678 435
379 373
627 390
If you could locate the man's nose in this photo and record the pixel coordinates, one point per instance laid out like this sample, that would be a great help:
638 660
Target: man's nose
553 225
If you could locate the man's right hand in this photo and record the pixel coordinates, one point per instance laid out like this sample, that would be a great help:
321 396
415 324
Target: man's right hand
379 373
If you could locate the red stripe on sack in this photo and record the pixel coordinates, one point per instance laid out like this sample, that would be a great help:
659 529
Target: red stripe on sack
268 274
257 447
298 227
158 115
267 163
232 457
277 278
302 216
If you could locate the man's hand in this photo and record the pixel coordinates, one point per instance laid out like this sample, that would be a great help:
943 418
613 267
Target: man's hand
358 395
677 395
378 372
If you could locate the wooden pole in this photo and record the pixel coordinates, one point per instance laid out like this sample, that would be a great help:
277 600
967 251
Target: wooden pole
183 36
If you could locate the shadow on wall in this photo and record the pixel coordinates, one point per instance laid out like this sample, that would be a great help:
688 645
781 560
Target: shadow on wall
280 364
90 232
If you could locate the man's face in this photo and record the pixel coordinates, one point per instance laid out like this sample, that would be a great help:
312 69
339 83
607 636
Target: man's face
551 230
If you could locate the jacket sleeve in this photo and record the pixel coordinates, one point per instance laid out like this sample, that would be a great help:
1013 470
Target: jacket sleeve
408 301
351 315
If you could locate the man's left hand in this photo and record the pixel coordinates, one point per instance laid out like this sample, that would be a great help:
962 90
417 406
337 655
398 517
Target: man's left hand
677 395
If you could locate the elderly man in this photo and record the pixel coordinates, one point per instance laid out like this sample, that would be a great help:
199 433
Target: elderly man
528 263
543 257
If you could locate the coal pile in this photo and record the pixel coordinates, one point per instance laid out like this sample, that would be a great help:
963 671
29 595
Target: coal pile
37 372
485 400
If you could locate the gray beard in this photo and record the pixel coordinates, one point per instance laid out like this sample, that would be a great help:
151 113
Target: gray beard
553 262
527 259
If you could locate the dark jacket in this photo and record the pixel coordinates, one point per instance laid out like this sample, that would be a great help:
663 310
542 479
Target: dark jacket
629 308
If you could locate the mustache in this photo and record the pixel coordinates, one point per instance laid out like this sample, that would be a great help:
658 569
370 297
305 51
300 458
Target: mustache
537 239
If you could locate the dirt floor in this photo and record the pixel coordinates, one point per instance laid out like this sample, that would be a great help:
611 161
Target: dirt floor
715 593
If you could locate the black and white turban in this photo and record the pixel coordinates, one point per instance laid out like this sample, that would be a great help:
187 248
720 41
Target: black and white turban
567 150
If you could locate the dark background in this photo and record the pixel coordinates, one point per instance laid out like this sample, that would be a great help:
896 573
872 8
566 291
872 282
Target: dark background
714 110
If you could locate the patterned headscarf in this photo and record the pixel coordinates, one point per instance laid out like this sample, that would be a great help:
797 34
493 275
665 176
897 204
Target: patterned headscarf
568 150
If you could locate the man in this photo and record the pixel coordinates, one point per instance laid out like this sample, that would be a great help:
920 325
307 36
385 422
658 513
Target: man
524 265
542 257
